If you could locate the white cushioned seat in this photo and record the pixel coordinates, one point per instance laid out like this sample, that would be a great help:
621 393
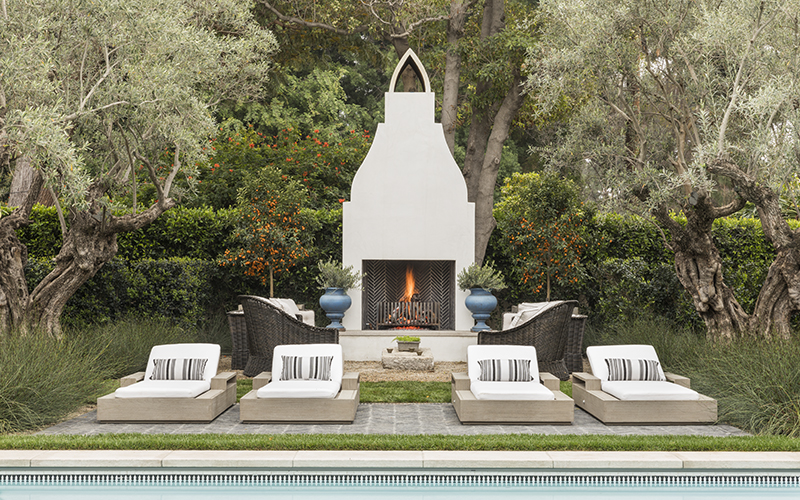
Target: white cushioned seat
634 390
515 391
490 390
300 389
279 388
148 388
164 389
289 307
597 356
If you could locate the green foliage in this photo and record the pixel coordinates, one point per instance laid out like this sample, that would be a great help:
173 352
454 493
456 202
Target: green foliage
406 338
43 379
332 274
480 276
405 392
541 217
186 291
43 235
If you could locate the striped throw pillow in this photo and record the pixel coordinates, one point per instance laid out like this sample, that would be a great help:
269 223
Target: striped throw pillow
633 369
505 370
306 368
179 369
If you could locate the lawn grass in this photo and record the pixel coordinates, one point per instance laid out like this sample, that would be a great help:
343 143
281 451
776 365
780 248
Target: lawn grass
505 442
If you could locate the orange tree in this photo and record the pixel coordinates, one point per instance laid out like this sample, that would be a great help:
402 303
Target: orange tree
541 217
323 163
275 230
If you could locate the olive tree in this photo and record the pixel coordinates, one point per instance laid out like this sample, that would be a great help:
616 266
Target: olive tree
684 107
94 94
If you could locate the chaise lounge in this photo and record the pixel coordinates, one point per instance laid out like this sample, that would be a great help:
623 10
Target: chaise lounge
180 384
307 385
503 385
629 386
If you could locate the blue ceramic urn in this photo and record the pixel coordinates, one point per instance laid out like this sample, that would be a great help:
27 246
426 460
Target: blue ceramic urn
480 303
335 302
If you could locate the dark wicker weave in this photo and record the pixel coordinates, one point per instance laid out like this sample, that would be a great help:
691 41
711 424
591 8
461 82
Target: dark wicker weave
238 328
267 327
573 352
547 332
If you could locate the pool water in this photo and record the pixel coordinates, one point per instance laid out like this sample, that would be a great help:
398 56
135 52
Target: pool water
386 487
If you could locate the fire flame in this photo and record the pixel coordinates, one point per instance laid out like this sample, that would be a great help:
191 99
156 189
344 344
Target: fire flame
411 287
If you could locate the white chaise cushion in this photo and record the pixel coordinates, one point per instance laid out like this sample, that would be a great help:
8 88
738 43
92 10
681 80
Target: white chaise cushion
515 391
279 388
628 390
597 356
525 391
299 389
149 388
164 389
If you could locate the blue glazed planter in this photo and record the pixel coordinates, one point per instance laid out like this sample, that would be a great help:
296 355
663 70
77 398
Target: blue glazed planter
335 302
480 303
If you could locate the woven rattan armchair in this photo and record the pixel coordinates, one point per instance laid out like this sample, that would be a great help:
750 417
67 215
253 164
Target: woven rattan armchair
267 327
547 332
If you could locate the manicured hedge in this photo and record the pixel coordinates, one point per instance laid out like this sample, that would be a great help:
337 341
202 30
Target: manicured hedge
169 268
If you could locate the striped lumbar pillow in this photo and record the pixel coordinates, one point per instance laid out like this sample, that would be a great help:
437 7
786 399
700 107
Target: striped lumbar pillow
505 370
633 369
179 369
306 368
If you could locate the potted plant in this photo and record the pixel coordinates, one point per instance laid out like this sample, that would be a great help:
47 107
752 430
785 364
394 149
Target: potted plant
407 343
480 280
336 279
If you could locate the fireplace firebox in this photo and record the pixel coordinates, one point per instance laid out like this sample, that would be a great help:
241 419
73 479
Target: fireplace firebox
404 293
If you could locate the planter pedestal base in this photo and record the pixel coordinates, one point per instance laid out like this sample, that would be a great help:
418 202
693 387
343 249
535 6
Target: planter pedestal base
421 360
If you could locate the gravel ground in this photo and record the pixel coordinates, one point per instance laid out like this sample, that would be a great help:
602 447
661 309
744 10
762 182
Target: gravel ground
372 371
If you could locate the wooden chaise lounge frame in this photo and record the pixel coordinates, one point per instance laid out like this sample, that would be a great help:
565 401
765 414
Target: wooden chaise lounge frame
339 410
471 410
588 394
203 408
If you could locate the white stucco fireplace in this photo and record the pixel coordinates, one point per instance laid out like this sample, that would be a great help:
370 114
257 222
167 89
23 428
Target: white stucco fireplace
408 209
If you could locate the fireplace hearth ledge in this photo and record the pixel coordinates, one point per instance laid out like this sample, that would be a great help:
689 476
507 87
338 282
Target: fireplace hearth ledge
368 345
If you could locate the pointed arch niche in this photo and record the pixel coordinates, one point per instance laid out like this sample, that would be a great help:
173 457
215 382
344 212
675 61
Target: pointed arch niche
408 208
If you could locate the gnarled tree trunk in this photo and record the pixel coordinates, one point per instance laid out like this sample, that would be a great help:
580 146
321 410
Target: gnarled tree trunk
698 265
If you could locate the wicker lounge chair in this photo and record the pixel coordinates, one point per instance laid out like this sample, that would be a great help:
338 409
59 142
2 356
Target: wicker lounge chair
537 399
302 388
546 331
632 396
268 327
164 394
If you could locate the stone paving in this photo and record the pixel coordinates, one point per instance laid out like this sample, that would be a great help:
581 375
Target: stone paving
384 418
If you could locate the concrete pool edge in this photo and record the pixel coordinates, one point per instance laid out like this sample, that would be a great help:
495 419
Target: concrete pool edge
165 461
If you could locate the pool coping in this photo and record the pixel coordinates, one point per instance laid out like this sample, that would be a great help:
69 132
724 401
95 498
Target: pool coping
168 461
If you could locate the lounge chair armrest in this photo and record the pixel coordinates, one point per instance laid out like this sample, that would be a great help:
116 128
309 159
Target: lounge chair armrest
591 382
550 381
350 381
678 379
221 380
131 379
261 380
460 380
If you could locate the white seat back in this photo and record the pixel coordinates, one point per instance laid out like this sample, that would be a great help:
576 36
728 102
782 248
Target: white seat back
597 356
186 351
308 350
476 353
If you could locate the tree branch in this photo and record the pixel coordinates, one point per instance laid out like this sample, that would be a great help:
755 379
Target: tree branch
310 24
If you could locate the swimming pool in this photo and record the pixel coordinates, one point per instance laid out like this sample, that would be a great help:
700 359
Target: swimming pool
296 486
